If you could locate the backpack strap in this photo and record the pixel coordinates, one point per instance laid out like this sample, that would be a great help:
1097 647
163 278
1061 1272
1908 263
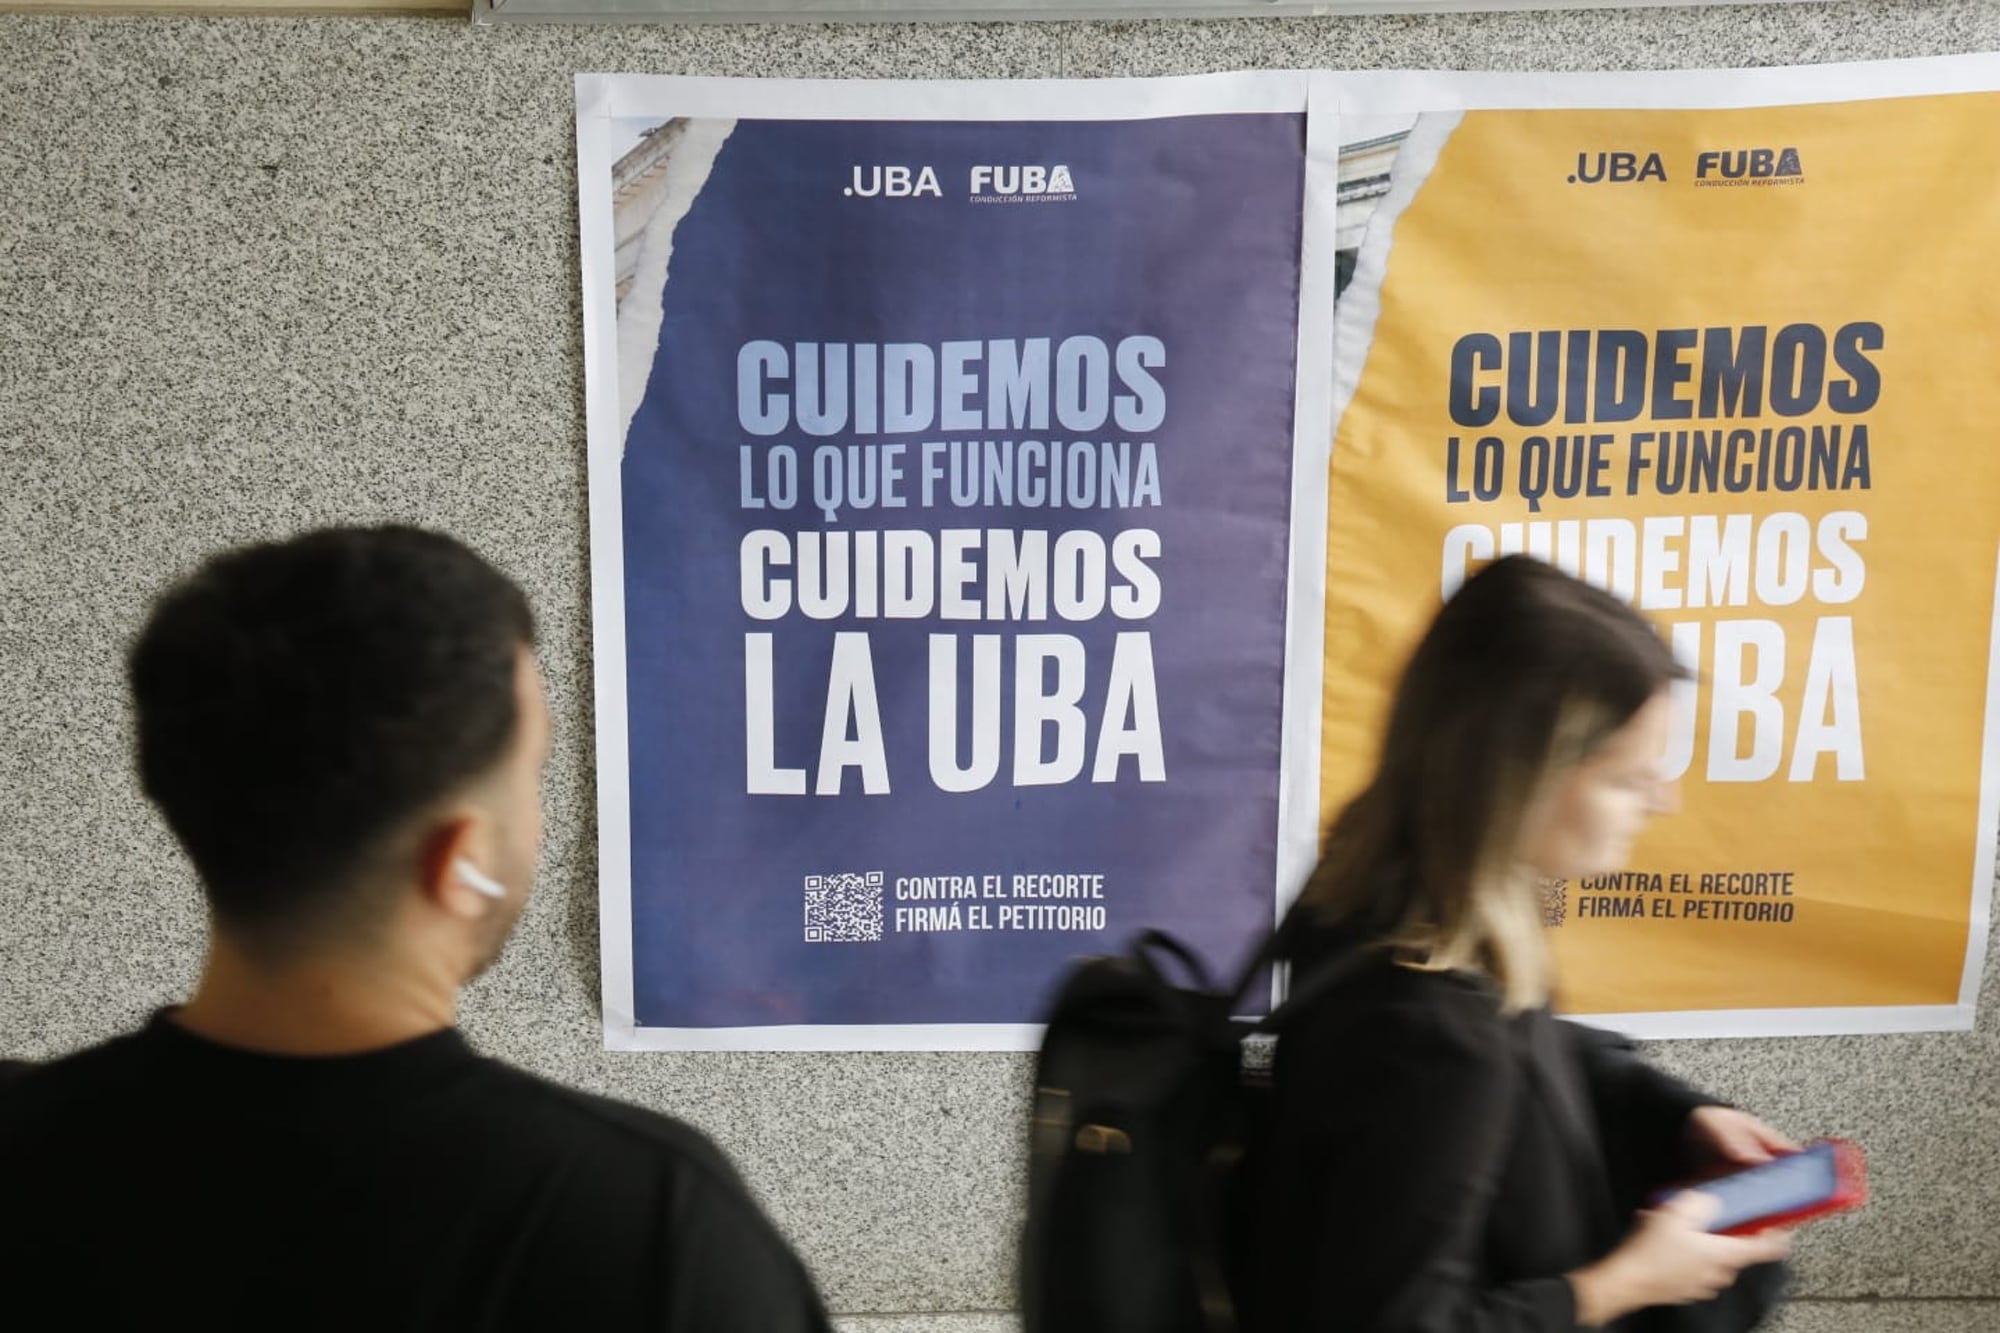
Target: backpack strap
1152 943
1207 1251
1277 948
1318 982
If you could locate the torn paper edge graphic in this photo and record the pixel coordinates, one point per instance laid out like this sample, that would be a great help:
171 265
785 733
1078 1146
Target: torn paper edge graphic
652 188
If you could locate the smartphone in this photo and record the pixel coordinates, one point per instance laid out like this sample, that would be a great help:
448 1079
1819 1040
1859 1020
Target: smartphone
1826 1176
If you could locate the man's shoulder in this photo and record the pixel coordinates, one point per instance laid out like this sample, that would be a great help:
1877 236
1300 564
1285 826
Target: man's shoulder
725 1259
618 1156
30 1087
569 1115
54 1112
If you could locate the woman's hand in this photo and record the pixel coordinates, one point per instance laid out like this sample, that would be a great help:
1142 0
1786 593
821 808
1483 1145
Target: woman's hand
1670 1259
1724 1137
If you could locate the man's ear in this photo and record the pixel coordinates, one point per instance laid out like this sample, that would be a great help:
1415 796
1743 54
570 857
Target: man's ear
452 878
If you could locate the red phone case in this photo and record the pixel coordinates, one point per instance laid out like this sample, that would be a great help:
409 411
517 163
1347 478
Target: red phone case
1850 1169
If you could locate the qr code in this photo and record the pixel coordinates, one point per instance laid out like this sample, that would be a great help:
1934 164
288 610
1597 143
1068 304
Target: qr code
844 909
1555 901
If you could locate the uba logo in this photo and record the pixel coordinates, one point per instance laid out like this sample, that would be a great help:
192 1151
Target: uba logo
893 183
1617 168
1757 164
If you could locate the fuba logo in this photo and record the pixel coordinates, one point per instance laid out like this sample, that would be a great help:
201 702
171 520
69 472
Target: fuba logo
1757 164
1026 181
1617 168
893 183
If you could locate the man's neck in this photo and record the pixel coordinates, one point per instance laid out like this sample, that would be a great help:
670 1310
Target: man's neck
320 1005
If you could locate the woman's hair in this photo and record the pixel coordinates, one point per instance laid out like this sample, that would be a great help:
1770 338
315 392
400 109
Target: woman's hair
1524 673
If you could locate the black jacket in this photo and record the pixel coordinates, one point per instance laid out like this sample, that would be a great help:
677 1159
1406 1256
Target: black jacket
165 1181
1434 1167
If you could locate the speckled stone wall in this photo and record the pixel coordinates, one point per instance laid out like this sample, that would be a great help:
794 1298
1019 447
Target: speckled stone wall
257 275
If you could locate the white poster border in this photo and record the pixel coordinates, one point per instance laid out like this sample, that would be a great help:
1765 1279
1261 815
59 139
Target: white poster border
1404 92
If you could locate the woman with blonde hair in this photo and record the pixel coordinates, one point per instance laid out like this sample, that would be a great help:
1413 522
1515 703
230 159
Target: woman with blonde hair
1444 1155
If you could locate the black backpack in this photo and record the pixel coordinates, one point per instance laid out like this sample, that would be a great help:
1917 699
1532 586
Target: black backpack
1147 1095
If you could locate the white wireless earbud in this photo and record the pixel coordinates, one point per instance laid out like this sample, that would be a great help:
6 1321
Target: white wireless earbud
478 880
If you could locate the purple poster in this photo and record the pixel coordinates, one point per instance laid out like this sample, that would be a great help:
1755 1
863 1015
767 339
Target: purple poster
948 449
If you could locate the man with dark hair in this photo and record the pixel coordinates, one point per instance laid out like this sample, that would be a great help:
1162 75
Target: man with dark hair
346 732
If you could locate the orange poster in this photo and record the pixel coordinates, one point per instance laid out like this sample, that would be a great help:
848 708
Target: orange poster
1734 363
